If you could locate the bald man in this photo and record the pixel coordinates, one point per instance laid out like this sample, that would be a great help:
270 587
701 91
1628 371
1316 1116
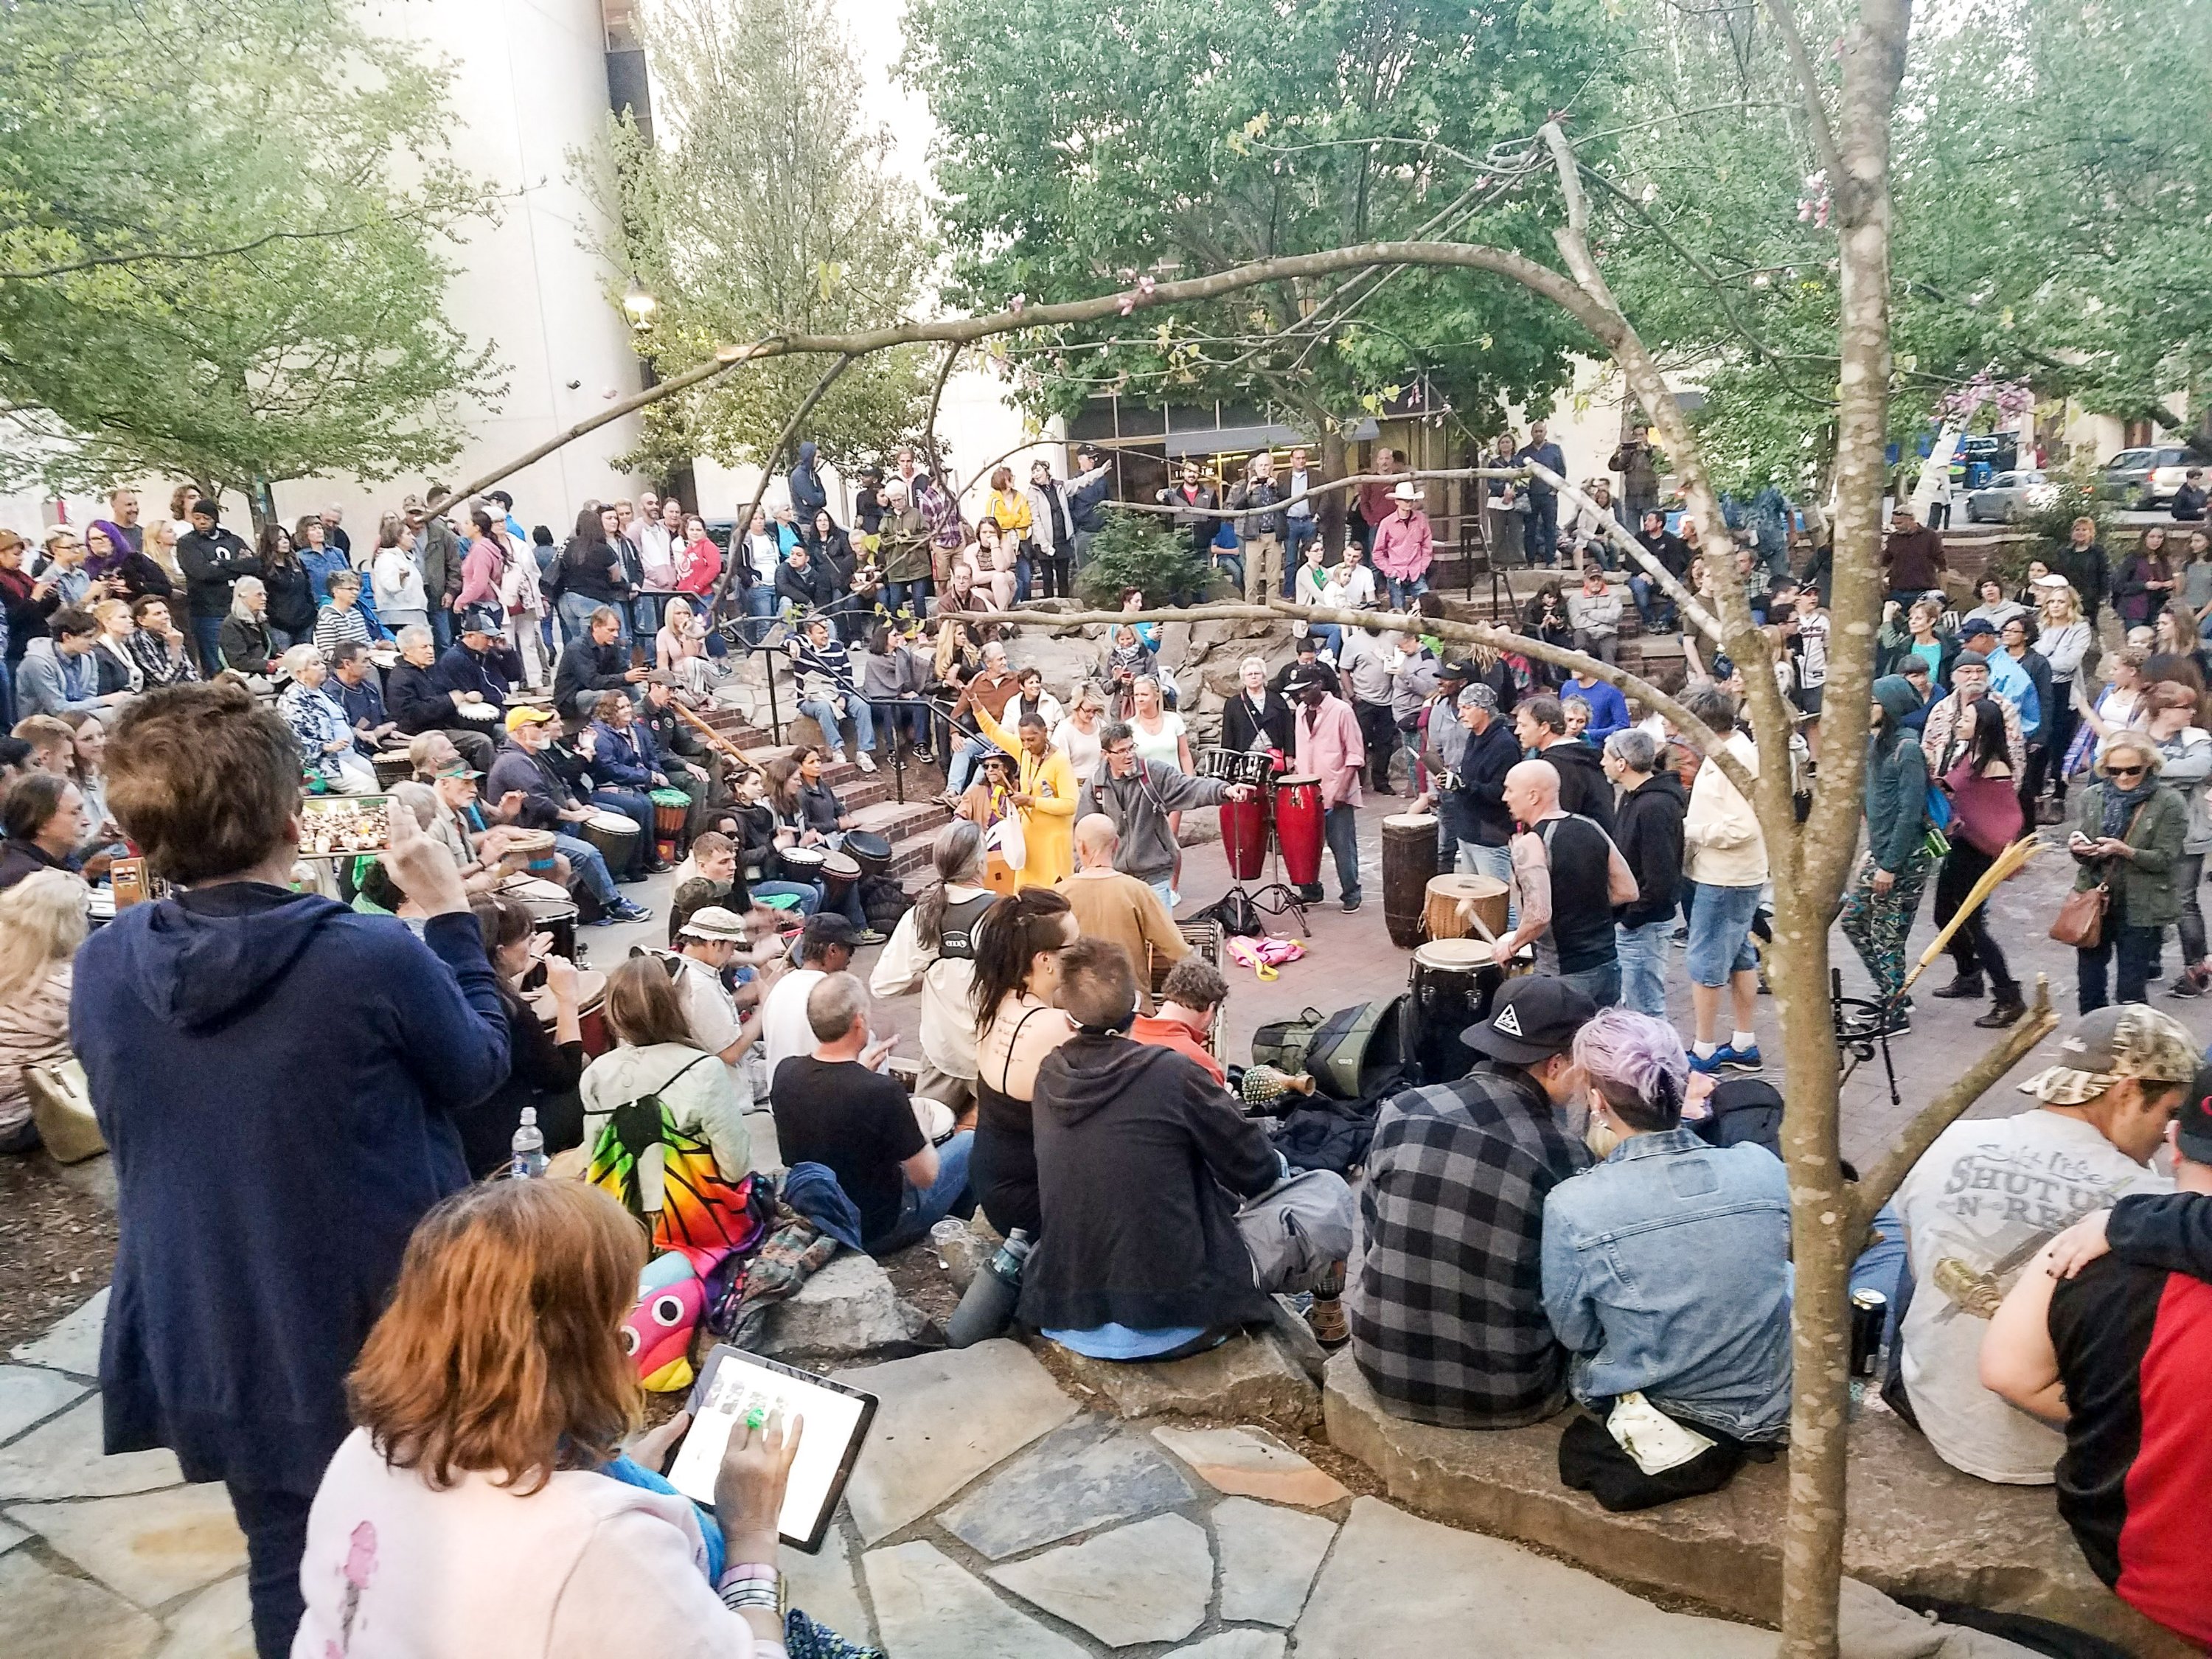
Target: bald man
1567 878
1108 904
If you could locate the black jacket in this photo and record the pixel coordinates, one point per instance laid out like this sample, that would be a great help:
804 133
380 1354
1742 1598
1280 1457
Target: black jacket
1583 786
585 666
1483 764
1239 727
211 564
1129 1133
1650 837
1670 550
291 599
413 700
811 589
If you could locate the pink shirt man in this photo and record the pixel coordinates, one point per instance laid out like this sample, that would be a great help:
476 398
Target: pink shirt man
1404 545
1330 748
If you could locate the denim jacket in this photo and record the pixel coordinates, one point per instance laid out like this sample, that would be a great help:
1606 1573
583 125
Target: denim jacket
1666 1269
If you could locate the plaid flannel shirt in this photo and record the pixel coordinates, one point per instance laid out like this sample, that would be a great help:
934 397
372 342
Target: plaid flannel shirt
1448 1321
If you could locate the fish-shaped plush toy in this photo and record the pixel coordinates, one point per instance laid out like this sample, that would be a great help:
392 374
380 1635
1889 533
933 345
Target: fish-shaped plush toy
658 1333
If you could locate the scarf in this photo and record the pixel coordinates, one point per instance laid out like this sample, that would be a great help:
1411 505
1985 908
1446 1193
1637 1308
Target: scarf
2120 805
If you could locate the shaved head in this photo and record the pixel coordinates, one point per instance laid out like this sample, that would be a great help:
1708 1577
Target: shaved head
1096 839
1532 790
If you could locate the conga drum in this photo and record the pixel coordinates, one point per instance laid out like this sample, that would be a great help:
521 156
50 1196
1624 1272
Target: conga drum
840 871
1244 835
1409 864
1298 827
591 1010
1442 916
802 863
1452 984
551 910
614 835
671 809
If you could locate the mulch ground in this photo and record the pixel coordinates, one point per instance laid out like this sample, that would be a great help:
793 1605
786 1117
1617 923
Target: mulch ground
57 1248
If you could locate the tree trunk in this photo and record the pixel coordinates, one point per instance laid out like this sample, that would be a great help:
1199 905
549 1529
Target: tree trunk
1333 466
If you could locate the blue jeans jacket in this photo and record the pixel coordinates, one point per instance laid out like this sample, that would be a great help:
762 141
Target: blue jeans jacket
1666 1269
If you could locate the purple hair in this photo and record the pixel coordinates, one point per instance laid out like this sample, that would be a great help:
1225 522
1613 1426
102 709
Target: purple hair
118 549
1637 1063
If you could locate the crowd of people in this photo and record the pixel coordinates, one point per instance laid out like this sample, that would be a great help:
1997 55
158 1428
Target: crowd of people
180 701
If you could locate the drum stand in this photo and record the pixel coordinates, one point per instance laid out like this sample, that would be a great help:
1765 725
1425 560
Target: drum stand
1862 1025
1277 898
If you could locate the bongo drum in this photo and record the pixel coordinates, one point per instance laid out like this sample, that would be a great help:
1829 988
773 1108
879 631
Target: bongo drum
1441 916
1244 836
671 809
1298 827
551 910
840 871
615 835
872 852
392 766
1452 983
1215 761
1409 865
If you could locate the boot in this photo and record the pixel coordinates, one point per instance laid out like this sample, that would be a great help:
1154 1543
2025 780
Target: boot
2005 1010
1963 987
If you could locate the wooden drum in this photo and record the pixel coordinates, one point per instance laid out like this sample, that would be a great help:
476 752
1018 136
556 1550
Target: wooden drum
392 766
1409 865
1442 916
591 1010
615 835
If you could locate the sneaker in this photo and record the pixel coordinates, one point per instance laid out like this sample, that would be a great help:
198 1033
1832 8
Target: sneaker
1963 987
1682 936
625 911
870 936
1739 1060
1351 901
865 762
2191 984
924 756
1708 1064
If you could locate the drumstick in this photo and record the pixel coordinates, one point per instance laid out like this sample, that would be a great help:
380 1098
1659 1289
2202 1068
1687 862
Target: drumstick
716 738
1467 913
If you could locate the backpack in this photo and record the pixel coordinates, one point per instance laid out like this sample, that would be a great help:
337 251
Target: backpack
1239 916
1357 1053
702 1215
1283 1043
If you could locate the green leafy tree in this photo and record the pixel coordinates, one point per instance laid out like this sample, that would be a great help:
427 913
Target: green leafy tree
208 265
1084 146
763 203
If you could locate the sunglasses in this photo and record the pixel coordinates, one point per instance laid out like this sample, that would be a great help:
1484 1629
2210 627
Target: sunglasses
2124 771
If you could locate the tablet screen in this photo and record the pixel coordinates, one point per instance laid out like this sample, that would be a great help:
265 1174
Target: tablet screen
836 1421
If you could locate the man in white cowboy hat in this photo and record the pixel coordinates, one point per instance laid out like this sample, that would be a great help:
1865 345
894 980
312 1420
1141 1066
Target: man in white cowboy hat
1404 546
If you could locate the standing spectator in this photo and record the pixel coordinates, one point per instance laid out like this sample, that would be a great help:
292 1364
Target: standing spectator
1111 905
1404 546
129 573
1543 520
1490 751
1364 664
1374 498
1009 509
1986 819
933 947
1726 862
1053 530
1194 500
1648 830
2129 837
1637 463
188 1014
2186 753
438 555
29 601
2145 583
333 517
1989 1192
396 581
2189 500
808 497
1086 501
321 557
291 589
42 923
1261 495
1540 723
1912 558
2083 562
1301 524
2063 641
588 575
212 559
1878 912
1329 749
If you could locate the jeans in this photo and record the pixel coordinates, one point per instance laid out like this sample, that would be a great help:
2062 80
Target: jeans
1299 533
1164 887
645 614
824 714
1542 527
909 720
441 627
1601 985
1231 565
1084 538
590 868
1378 729
2187 872
1021 577
1330 634
575 610
1643 952
916 594
1720 931
1654 610
637 807
2138 948
1404 590
1340 825
275 1528
207 634
921 1210
964 763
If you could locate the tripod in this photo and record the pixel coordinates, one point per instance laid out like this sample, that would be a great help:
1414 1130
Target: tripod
1277 897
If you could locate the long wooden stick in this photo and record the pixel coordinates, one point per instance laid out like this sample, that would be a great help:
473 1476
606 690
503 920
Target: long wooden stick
716 738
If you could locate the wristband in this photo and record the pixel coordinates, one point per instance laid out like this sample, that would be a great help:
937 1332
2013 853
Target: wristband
738 1569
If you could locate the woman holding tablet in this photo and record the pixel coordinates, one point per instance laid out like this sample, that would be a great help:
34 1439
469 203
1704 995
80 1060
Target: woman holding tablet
470 1513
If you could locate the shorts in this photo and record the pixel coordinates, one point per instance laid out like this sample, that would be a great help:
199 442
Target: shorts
1807 699
1720 933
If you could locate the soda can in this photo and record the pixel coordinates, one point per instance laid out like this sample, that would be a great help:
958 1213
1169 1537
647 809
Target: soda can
1870 1313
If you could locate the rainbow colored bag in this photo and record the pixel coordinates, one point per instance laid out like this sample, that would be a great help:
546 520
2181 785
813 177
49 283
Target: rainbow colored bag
641 1156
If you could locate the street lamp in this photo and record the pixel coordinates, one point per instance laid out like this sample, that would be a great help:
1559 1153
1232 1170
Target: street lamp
639 306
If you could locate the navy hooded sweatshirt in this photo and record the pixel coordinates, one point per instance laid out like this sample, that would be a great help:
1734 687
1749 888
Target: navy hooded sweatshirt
277 1078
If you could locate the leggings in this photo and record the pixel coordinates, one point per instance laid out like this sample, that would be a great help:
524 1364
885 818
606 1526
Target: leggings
1973 948
2188 872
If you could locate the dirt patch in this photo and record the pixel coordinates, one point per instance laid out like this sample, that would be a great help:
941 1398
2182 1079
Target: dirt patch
57 1248
918 1274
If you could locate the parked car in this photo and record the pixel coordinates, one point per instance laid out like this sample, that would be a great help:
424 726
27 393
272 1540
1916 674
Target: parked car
2146 478
2009 494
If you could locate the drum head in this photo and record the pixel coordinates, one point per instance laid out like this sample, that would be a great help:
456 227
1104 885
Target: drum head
480 711
838 864
1456 956
1466 887
671 798
808 857
863 843
1292 780
614 821
1410 821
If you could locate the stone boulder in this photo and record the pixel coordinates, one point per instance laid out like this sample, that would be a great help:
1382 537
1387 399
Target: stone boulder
1253 1378
1916 1527
847 1311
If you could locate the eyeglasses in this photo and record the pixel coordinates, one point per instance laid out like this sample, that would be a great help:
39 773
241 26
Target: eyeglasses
2125 771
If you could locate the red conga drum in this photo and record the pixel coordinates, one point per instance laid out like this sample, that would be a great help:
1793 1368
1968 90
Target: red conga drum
1298 827
1244 835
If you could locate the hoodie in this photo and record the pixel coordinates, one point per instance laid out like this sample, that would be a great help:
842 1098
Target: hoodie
1142 1160
278 1079
807 496
1896 777
47 683
1650 835
1583 786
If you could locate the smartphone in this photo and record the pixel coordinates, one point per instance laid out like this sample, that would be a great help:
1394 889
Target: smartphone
344 826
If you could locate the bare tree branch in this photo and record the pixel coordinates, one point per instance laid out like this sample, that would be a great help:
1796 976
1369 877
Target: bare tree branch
1808 82
929 423
744 526
1669 584
158 256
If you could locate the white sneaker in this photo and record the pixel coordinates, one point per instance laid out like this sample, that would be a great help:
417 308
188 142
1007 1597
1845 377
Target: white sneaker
845 755
865 762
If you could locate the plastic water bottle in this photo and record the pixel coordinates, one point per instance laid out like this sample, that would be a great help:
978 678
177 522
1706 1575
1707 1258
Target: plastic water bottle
529 1147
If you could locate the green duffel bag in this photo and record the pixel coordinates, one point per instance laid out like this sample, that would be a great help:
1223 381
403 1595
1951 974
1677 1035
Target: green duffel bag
1283 1043
1357 1053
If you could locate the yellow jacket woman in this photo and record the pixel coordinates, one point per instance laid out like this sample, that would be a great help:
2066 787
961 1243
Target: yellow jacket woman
1045 795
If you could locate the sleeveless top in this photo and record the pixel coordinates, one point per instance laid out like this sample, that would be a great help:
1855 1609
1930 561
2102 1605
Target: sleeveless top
1581 935
995 1108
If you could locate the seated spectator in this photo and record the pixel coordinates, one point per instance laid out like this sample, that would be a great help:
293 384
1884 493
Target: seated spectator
711 941
476 671
158 646
320 727
1988 1193
1018 954
1666 1273
933 947
491 1400
836 1107
41 924
2113 1350
355 686
825 947
244 642
548 1057
1448 1322
1120 1123
45 823
59 674
597 659
346 618
1190 999
544 801
417 705
1110 904
655 1054
1593 613
189 1014
626 768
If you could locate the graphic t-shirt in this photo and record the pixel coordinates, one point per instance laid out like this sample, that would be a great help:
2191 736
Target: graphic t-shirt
1978 1206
